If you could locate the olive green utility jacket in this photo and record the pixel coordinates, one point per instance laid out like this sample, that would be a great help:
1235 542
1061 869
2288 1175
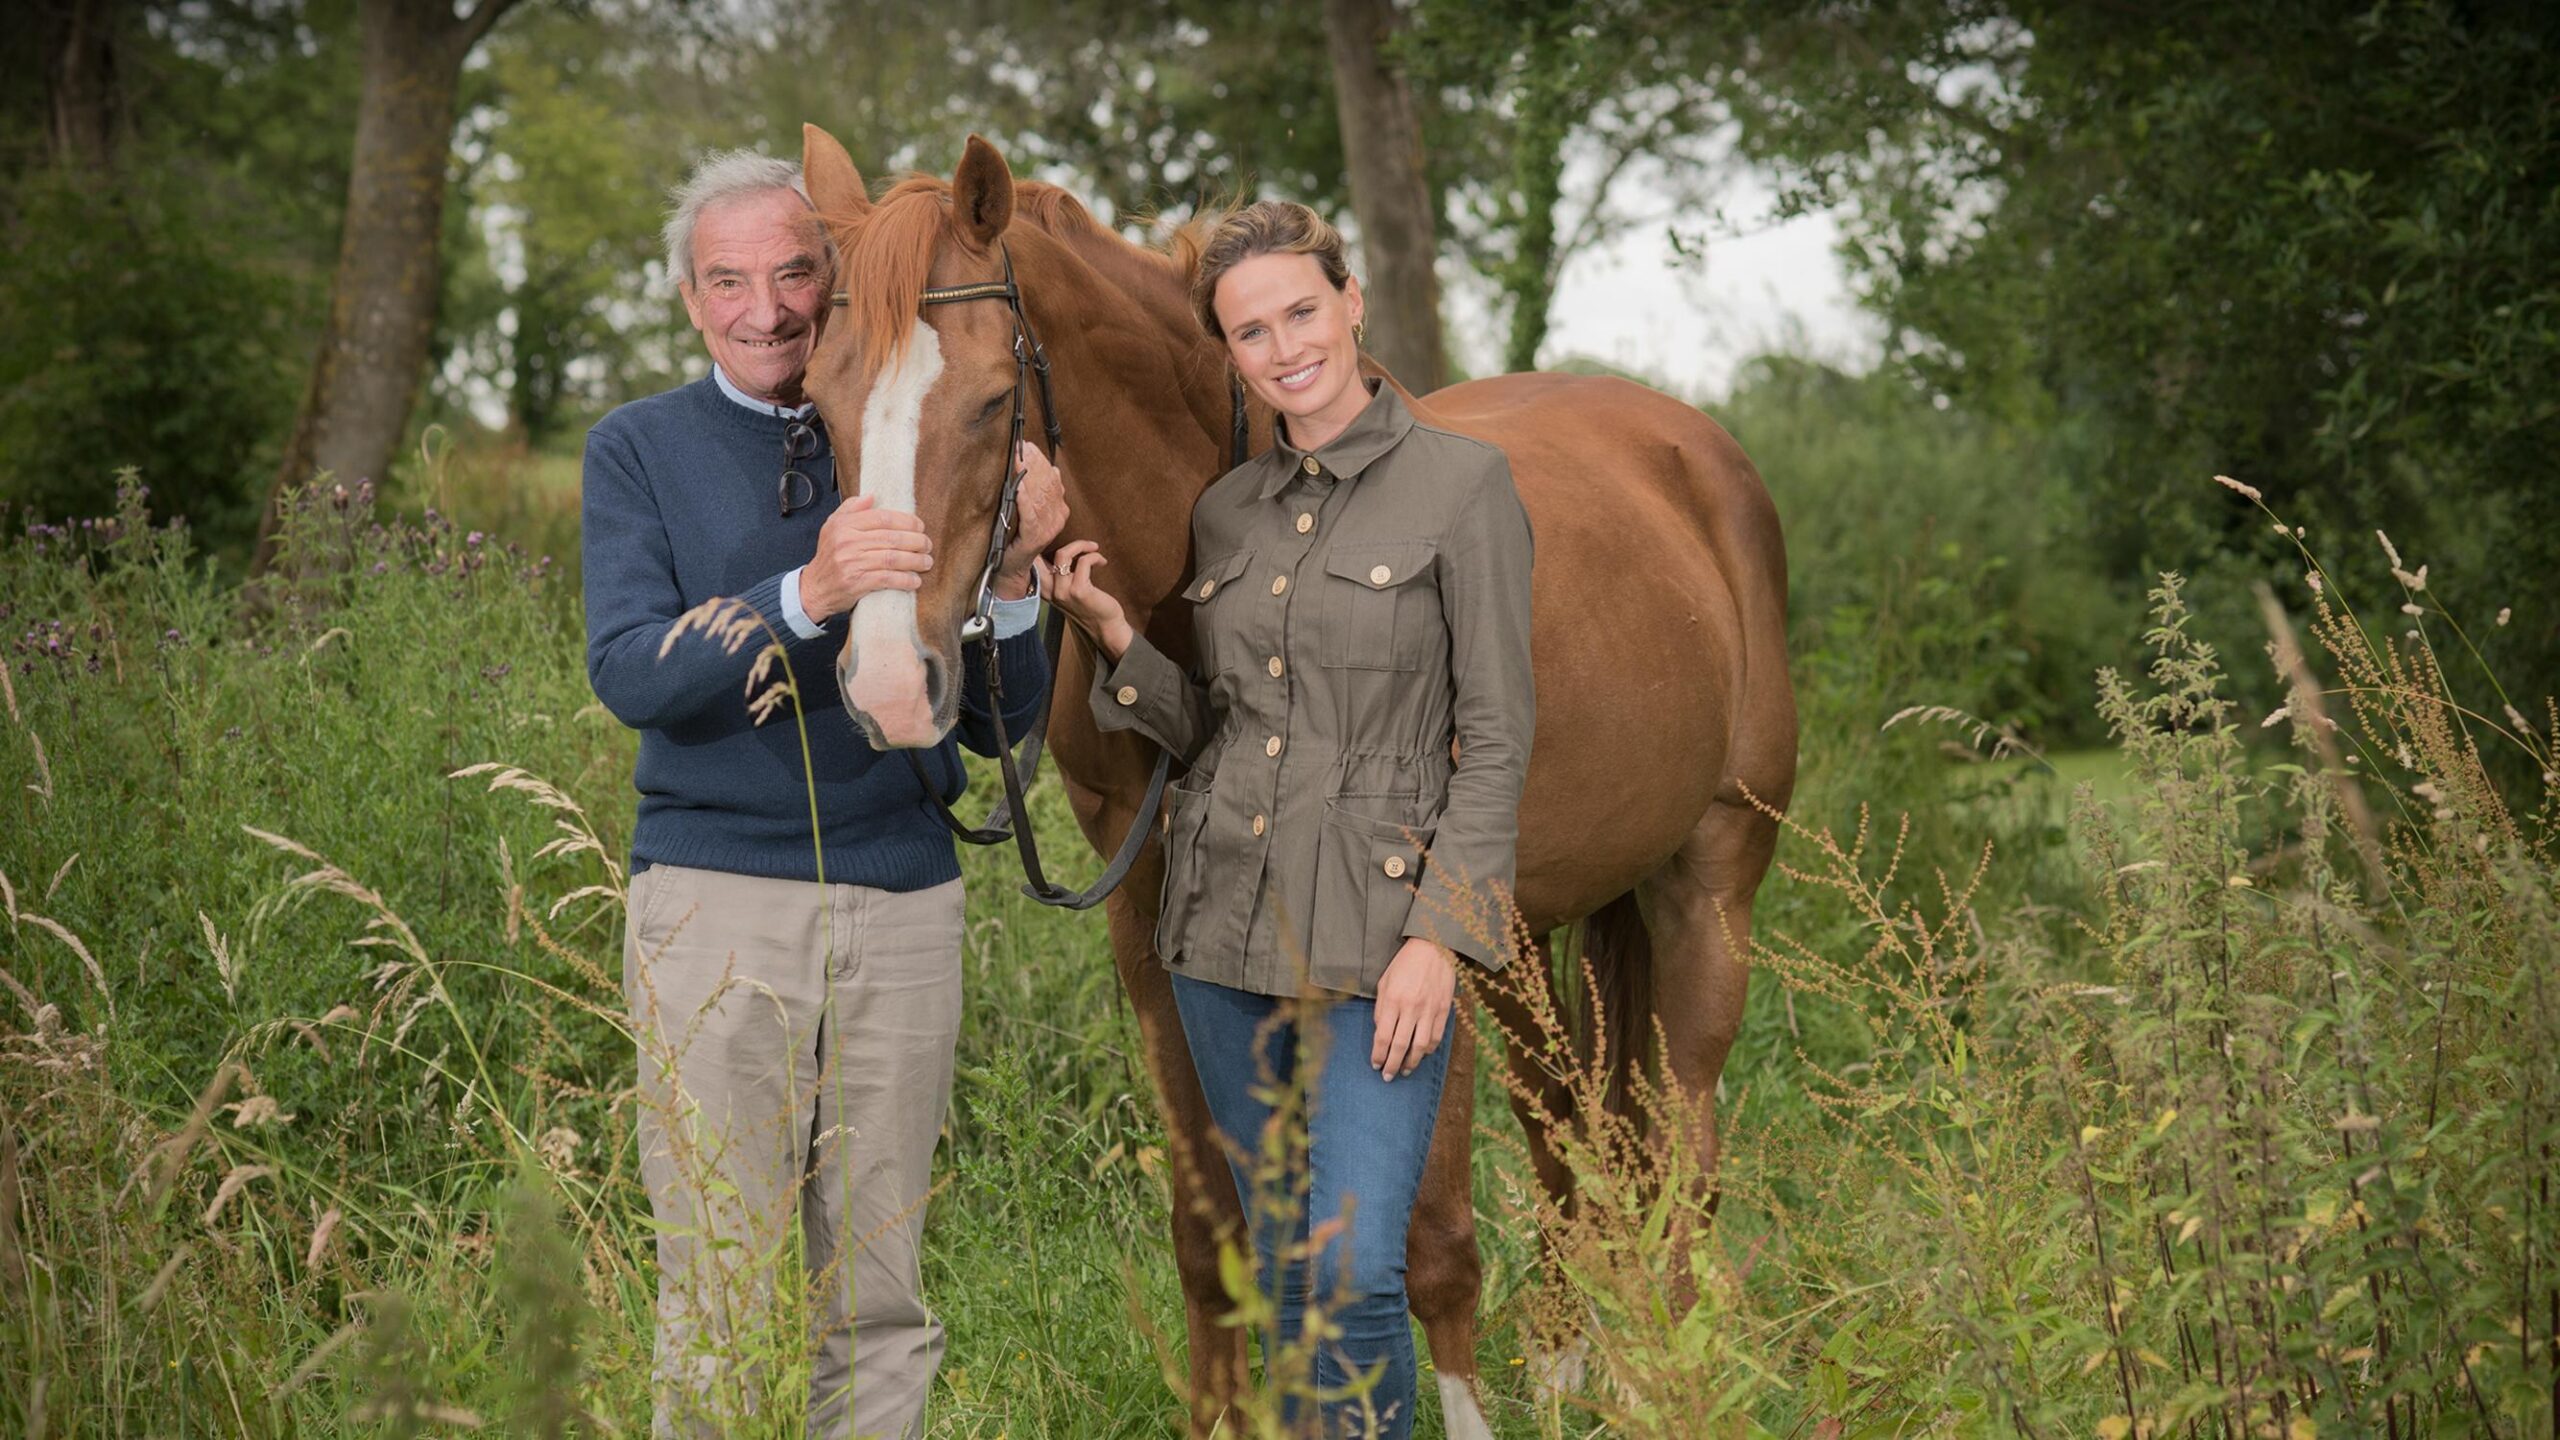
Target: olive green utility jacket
1358 610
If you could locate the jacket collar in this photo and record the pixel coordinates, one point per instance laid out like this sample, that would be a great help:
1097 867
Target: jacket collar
1371 433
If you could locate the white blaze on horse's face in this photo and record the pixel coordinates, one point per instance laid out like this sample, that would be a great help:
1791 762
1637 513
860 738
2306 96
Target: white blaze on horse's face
890 682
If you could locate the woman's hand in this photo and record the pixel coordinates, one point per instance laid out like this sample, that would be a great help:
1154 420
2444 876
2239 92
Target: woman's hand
1414 998
1067 581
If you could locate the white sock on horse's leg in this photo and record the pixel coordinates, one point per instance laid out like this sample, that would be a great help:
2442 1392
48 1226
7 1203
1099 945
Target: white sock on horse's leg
1460 1416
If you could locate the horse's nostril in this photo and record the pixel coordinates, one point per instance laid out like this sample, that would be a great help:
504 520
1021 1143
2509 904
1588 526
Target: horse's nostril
933 679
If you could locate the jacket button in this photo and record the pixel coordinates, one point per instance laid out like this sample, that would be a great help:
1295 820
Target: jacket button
1208 588
1128 695
1276 667
1306 523
1380 575
1271 746
1279 584
1395 867
1258 824
1310 466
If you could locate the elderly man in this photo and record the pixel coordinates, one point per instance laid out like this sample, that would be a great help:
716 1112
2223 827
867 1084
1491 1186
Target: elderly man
792 955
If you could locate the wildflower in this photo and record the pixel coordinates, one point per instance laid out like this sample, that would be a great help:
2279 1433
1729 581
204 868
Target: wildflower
2505 613
2414 582
2277 714
474 538
2411 607
2387 548
2228 483
258 1112
558 1147
231 1185
320 1234
2312 578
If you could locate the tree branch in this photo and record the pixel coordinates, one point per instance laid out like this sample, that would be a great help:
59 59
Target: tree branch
475 26
1641 140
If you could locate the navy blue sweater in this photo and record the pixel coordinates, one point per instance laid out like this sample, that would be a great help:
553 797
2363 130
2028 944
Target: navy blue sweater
680 507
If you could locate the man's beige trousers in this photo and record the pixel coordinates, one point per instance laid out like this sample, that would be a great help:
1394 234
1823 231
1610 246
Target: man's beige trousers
795 1058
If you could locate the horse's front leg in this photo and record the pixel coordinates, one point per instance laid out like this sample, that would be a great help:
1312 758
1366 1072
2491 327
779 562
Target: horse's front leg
1204 1193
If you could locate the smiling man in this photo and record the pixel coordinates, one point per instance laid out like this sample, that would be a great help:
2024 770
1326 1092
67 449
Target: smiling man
791 955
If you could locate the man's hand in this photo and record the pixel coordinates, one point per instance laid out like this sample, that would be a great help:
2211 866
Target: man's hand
1040 512
860 550
1413 1007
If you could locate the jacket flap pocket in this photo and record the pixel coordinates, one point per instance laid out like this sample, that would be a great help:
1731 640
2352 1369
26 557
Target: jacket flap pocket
1389 834
1380 566
1212 574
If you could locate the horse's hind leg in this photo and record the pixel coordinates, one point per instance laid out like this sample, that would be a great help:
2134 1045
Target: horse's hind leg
1444 1272
1698 910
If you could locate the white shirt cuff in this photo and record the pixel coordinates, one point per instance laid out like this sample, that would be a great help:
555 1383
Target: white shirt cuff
1015 617
795 615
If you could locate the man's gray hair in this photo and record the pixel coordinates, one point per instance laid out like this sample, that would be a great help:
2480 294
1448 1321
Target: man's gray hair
726 175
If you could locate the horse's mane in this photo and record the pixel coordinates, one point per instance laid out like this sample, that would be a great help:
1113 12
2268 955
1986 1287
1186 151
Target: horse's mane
892 248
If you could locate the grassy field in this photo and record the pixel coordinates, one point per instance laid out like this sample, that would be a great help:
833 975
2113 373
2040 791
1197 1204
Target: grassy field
2200 1083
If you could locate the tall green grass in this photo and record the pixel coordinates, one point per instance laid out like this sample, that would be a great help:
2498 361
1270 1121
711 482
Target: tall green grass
314 1112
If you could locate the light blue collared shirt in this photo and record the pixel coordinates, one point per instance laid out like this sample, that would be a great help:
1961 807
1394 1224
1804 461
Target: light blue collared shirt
1011 617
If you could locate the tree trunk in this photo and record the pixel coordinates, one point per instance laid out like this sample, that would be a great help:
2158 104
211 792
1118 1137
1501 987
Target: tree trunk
85 96
1382 147
1529 280
382 303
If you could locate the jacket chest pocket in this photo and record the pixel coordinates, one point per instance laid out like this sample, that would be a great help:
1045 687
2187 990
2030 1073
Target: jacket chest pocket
1211 593
1380 601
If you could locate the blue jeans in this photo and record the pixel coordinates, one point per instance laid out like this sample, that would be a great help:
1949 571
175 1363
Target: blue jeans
1366 1142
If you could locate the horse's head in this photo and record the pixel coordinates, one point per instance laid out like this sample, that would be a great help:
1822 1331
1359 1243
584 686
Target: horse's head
919 405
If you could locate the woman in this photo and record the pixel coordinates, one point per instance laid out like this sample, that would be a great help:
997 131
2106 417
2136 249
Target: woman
1356 746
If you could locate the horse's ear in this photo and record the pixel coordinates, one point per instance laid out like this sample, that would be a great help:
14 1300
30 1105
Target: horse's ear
835 187
982 193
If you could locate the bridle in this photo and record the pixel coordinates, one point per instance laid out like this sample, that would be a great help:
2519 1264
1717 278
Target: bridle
1007 820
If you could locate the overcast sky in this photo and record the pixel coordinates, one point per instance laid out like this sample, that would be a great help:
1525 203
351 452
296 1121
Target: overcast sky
1688 324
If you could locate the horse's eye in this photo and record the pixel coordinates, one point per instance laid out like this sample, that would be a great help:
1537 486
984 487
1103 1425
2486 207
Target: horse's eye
994 403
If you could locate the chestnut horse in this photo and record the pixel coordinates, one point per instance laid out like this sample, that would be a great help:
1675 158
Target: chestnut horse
1659 639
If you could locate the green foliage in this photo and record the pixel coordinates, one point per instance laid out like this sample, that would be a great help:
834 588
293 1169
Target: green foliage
1518 90
162 313
313 1087
2302 245
138 327
1937 553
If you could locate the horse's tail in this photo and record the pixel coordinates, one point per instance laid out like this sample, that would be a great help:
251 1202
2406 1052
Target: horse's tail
1618 952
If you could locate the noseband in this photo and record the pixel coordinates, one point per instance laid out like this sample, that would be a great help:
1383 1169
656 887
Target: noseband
1009 819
